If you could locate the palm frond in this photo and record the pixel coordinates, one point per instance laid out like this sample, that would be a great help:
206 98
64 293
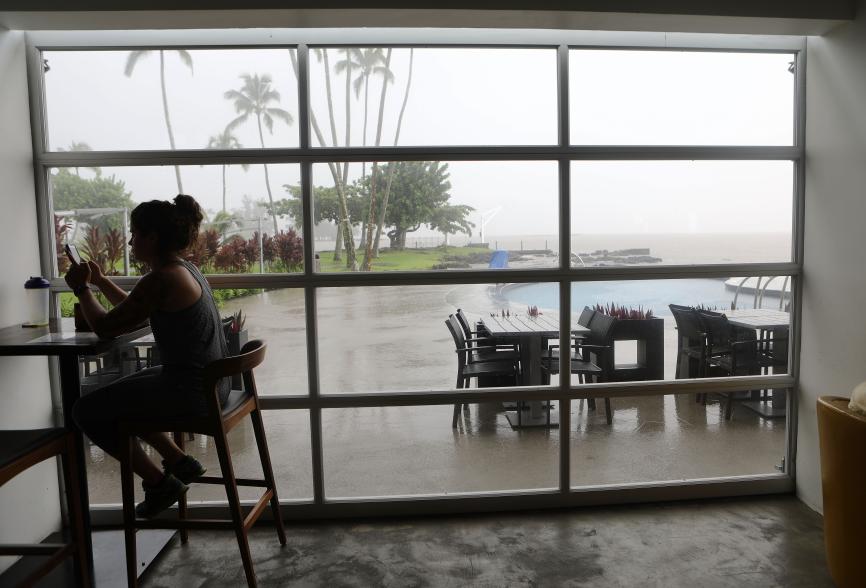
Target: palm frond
386 73
357 85
270 94
132 60
283 115
234 123
186 58
269 122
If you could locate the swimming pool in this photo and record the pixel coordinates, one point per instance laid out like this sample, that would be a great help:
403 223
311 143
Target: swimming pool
654 295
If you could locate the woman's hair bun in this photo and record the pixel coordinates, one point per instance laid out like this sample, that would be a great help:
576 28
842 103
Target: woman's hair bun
188 207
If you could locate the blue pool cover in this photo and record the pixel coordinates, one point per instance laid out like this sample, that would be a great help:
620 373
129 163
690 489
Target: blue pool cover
499 260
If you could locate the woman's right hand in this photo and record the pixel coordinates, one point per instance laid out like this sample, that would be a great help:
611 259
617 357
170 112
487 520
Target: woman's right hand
97 278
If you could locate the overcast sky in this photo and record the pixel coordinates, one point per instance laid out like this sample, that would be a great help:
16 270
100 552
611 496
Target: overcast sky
466 97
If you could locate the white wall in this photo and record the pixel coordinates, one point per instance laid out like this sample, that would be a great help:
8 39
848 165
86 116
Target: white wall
834 298
29 504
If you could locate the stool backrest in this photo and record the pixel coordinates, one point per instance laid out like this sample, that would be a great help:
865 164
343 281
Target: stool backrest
252 355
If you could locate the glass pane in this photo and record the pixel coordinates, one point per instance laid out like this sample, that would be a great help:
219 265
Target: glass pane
681 212
433 96
677 437
642 340
680 98
392 338
406 450
275 316
437 215
288 436
90 204
171 99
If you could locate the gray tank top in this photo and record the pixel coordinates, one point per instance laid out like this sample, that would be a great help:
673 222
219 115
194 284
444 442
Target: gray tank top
191 338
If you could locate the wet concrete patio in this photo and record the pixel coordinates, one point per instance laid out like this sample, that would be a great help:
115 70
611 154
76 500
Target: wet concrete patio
392 338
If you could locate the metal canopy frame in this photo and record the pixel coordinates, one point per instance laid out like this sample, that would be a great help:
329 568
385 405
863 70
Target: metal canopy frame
562 152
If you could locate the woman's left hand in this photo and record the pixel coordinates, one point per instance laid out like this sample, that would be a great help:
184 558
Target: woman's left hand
78 275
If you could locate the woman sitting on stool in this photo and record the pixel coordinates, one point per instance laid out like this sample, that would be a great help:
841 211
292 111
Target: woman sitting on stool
188 333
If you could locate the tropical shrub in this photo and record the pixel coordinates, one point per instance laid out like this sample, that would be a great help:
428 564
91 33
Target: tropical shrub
289 247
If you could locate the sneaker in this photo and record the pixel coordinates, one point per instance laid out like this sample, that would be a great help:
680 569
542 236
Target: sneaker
187 469
160 497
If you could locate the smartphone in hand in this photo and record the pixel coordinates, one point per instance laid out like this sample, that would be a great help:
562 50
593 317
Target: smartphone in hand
72 253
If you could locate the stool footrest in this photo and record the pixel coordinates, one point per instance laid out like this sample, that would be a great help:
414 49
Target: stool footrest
33 549
238 481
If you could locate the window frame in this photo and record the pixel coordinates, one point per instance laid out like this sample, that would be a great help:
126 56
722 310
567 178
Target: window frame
562 152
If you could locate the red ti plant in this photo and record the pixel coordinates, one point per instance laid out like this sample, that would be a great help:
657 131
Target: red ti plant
269 247
289 248
195 253
114 247
61 227
232 256
624 312
94 247
210 240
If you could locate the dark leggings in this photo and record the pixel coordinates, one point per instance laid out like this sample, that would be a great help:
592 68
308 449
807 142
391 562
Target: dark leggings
146 395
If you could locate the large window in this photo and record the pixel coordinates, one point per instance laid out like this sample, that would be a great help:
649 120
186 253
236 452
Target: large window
639 207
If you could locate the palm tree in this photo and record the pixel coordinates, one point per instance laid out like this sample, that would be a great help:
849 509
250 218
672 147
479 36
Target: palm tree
131 60
254 98
81 146
344 229
372 62
391 168
371 217
350 62
225 140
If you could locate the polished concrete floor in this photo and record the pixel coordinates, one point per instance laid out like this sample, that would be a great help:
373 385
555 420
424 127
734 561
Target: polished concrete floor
767 541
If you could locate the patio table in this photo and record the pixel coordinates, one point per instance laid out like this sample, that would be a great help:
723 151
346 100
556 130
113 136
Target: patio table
530 333
60 339
768 323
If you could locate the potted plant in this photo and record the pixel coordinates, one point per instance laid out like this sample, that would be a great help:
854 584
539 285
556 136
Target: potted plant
236 338
638 324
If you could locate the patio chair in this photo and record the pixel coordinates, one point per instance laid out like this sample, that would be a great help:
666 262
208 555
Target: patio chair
598 347
480 338
472 364
731 352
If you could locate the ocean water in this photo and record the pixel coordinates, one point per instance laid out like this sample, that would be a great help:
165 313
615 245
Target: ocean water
672 248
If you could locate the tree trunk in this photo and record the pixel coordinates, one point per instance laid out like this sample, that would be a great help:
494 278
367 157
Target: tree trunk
167 118
224 188
341 194
371 223
348 113
364 138
391 167
338 244
267 176
368 252
331 119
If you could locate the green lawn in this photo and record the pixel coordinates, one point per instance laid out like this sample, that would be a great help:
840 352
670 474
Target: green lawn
406 260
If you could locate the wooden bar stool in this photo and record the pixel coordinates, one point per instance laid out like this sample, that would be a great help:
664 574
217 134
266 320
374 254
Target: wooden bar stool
217 424
20 450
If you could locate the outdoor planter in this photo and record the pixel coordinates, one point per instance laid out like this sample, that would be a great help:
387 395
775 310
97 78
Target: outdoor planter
235 342
649 334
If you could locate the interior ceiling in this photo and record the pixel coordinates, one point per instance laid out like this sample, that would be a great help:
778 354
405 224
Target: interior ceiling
793 17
